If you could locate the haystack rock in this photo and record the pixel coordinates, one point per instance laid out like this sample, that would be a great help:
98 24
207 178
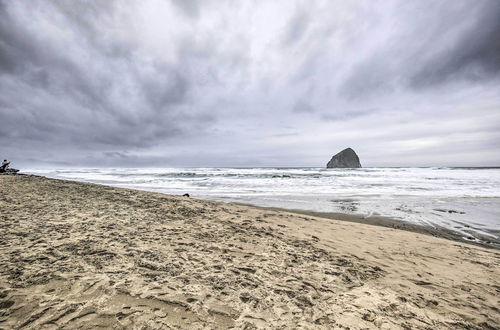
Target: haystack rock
347 158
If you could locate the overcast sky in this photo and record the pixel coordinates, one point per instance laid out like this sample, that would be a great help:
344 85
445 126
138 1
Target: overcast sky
249 83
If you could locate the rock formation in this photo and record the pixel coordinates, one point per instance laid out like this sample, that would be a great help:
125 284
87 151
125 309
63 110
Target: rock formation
9 171
347 158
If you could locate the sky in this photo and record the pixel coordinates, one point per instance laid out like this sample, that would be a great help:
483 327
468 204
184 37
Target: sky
185 83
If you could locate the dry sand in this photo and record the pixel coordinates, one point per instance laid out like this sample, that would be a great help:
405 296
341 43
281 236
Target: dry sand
77 255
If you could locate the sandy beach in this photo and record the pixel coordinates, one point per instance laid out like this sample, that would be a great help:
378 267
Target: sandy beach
77 255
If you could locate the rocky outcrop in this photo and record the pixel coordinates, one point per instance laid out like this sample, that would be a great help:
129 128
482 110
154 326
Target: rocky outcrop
347 158
8 171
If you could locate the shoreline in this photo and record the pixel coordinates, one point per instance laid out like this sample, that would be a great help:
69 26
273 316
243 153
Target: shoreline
387 222
474 238
82 255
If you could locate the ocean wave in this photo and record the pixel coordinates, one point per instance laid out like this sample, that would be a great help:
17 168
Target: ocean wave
407 193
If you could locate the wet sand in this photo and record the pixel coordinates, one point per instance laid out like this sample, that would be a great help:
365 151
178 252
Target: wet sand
77 255
474 238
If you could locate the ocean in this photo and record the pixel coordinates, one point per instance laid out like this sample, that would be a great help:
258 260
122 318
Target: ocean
466 200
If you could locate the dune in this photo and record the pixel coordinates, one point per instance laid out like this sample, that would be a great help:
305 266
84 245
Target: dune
78 255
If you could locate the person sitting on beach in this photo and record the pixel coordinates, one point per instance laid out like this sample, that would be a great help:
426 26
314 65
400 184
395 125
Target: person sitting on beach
5 165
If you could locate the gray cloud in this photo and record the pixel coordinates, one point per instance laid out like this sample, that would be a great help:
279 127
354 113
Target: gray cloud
303 106
92 100
285 83
431 44
297 26
474 56
188 7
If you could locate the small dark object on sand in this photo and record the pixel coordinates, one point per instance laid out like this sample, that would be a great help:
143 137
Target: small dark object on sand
186 195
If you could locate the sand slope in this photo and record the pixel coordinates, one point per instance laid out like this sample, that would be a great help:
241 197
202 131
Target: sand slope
77 255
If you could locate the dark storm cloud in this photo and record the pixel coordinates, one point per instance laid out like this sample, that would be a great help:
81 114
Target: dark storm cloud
434 44
475 56
13 44
369 78
222 83
169 89
98 99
